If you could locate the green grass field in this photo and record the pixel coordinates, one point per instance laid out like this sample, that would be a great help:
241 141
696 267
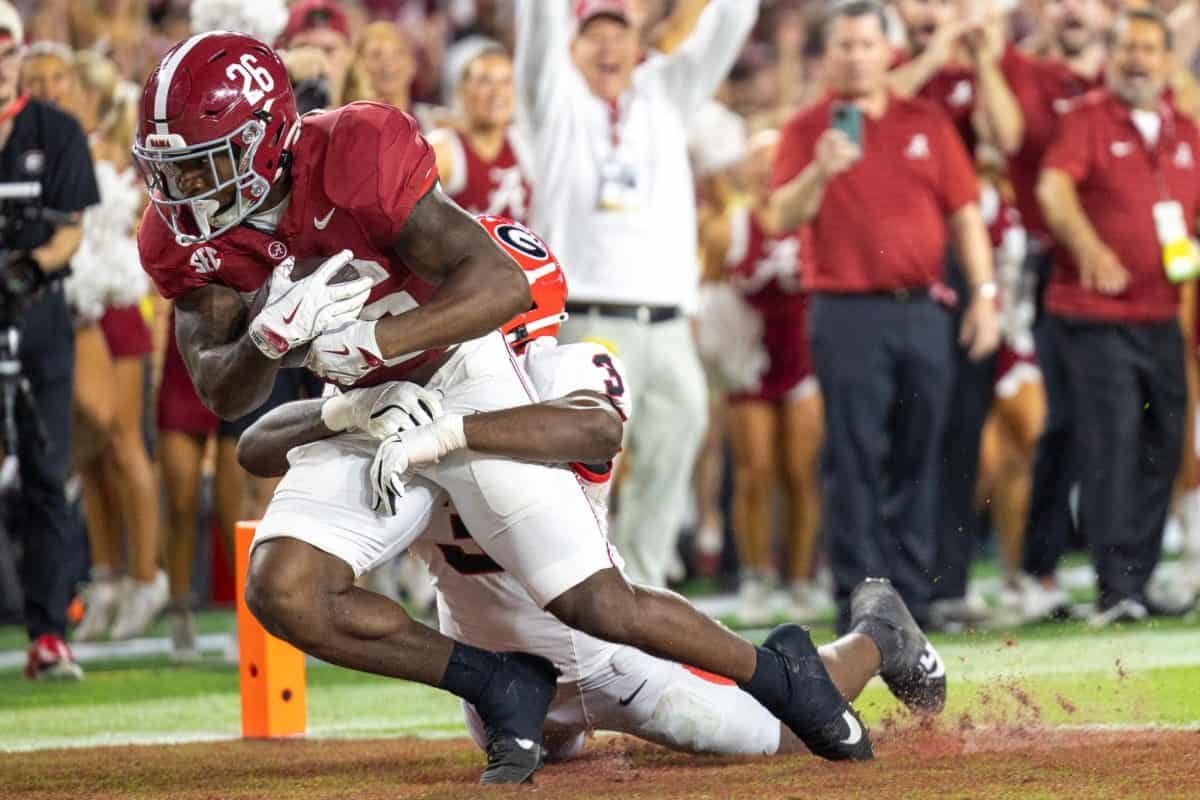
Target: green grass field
1053 674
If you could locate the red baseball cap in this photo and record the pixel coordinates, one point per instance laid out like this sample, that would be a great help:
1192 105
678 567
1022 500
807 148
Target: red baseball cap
586 10
310 15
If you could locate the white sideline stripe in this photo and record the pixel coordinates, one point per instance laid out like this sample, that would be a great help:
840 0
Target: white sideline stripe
132 648
166 75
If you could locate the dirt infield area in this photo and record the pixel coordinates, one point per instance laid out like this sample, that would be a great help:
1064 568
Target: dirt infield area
950 761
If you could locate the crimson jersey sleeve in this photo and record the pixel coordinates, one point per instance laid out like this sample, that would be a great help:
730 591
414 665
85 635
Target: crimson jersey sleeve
959 184
165 261
378 166
1069 150
796 150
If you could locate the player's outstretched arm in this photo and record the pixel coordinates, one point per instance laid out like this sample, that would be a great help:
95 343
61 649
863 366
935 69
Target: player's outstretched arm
229 372
262 449
480 288
583 426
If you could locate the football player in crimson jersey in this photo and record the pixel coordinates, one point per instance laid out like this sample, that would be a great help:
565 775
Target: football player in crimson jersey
240 186
621 688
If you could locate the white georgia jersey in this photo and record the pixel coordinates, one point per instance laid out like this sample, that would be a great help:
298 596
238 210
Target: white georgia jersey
478 602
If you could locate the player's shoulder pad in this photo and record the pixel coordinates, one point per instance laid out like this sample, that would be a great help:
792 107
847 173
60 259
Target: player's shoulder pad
164 259
365 142
590 366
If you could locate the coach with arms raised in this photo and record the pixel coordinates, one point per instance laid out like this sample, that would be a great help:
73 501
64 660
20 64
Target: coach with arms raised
615 199
883 181
1119 189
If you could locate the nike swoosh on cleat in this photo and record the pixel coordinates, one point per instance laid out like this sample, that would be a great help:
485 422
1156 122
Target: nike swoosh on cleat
932 663
524 744
288 319
320 222
627 700
856 731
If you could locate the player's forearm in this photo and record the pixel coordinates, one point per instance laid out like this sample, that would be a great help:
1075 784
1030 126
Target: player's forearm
262 450
796 202
233 379
56 253
477 298
569 429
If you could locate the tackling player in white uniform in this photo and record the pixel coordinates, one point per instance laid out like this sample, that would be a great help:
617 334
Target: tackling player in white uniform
602 686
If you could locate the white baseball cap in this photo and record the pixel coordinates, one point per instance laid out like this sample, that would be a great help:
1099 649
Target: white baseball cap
10 21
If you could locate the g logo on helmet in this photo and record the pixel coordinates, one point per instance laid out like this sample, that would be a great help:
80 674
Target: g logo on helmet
522 241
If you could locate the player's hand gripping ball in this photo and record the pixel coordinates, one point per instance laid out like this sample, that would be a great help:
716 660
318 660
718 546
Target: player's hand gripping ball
303 299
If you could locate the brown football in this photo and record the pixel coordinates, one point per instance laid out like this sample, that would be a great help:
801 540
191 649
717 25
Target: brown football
301 269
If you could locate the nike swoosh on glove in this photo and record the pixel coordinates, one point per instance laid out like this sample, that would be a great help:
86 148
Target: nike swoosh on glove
382 410
296 312
346 353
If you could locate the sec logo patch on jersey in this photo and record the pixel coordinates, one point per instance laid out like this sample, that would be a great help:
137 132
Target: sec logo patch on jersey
205 260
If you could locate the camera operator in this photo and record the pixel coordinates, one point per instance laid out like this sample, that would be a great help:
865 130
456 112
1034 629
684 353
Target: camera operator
40 144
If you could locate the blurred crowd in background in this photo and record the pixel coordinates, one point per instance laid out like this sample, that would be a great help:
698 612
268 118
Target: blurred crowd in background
769 504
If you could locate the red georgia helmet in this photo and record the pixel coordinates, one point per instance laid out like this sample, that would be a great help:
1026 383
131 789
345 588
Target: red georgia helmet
215 93
547 283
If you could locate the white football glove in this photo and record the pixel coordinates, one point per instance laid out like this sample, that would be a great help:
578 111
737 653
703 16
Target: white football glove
405 452
346 353
296 312
382 410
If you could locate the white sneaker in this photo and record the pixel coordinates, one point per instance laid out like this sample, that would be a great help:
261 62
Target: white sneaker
100 600
754 601
183 635
1039 603
1126 610
140 606
806 602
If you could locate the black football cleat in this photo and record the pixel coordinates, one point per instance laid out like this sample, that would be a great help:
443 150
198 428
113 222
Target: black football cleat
513 712
911 668
837 736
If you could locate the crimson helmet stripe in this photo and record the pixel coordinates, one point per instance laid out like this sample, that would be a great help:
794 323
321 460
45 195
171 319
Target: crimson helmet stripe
166 75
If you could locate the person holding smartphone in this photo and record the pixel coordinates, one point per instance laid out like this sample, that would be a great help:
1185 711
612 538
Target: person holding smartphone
885 183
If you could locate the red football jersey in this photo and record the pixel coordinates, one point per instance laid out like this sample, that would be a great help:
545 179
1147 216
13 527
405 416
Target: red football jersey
496 187
357 172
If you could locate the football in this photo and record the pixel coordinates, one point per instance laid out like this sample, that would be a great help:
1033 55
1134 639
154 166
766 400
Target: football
300 270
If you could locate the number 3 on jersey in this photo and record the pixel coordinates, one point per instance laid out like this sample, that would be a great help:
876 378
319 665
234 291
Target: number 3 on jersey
614 386
463 562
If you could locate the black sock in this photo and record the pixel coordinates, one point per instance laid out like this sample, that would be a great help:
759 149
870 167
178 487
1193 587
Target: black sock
770 684
468 672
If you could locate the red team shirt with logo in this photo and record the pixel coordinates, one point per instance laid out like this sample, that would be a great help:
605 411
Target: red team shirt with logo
494 187
952 89
1043 89
767 272
1119 178
357 173
882 223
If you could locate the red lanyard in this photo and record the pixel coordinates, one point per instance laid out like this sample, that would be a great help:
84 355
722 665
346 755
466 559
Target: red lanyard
614 123
14 108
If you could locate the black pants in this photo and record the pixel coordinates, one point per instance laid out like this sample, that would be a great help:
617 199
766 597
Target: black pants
885 368
970 402
1128 393
1049 527
53 545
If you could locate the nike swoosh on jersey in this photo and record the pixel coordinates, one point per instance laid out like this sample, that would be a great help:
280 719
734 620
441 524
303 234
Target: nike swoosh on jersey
627 700
320 222
345 351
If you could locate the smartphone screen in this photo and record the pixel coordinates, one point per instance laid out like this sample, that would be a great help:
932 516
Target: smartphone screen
848 119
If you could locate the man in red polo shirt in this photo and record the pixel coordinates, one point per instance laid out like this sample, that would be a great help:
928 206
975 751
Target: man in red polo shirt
1075 30
884 181
1119 189
953 60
